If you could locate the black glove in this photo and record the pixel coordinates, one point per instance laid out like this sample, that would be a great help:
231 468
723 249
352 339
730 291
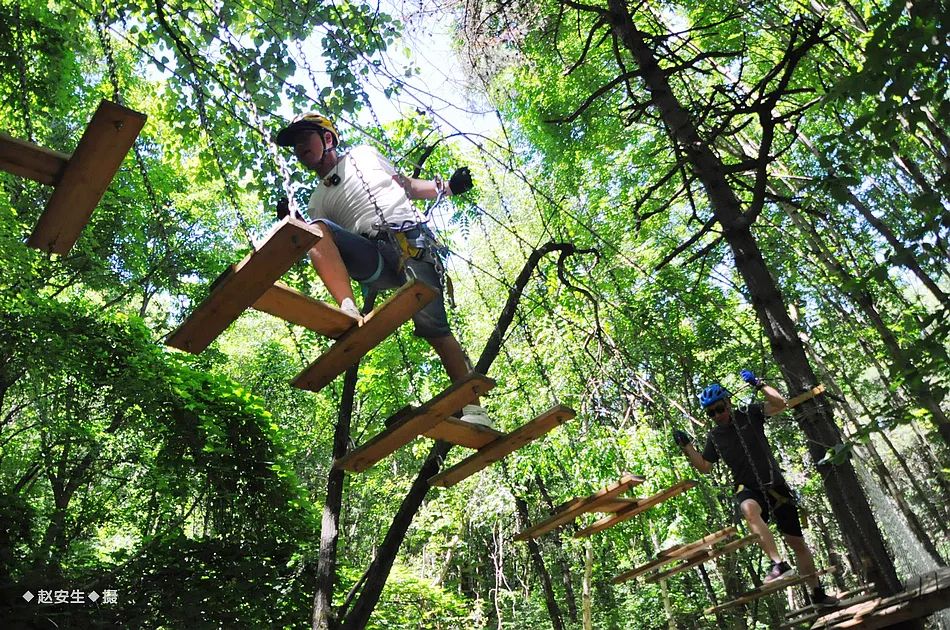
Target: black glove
682 438
461 181
283 208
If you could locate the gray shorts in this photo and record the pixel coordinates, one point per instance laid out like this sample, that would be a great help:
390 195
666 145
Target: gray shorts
374 263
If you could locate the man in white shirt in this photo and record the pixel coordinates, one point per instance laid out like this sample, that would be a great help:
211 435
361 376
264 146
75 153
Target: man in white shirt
358 191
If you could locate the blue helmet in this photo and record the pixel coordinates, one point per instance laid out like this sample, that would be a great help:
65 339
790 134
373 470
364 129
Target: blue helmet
713 394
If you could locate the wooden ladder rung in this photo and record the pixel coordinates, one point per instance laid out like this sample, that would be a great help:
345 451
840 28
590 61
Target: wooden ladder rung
413 424
641 506
243 284
356 342
297 308
88 172
465 434
703 556
643 568
503 446
600 501
25 159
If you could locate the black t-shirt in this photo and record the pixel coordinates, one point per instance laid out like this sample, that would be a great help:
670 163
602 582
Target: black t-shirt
745 449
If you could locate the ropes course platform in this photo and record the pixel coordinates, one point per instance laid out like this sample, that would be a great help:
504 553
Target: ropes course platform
768 589
607 500
689 554
922 596
358 340
805 616
640 505
503 446
79 180
412 422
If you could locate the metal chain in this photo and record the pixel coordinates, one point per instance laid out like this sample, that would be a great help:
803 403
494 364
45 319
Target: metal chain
22 72
228 187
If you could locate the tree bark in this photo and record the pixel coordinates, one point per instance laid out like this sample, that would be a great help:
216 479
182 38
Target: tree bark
847 499
550 598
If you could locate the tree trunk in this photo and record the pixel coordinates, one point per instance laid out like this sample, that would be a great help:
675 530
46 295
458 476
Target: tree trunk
550 599
324 616
847 499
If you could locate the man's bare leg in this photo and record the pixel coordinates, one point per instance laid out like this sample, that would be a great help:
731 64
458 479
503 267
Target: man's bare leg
752 512
804 559
453 357
326 259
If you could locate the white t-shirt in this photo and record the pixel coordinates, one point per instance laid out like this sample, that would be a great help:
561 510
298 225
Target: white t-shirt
348 203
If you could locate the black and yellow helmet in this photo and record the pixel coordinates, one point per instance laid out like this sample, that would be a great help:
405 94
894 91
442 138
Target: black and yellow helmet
310 121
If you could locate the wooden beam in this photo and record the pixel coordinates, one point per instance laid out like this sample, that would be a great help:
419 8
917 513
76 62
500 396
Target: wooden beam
89 171
686 549
767 589
241 285
465 434
553 417
25 159
356 342
797 400
411 425
705 556
575 508
641 506
297 308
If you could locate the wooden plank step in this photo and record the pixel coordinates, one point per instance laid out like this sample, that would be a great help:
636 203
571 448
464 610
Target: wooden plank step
862 590
678 551
298 308
356 342
704 555
810 614
642 505
465 434
643 568
25 159
572 510
553 417
673 553
89 171
411 425
243 284
767 589
923 595
616 505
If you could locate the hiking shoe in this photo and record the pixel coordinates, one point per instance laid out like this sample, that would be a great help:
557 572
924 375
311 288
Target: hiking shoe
349 307
778 571
821 599
474 414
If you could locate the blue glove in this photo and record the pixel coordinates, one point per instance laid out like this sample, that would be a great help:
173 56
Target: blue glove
751 378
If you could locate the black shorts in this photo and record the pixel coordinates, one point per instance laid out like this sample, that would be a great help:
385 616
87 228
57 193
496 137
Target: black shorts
375 263
777 501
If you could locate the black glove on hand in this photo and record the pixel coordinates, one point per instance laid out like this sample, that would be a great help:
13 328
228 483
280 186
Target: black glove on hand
461 181
682 438
283 208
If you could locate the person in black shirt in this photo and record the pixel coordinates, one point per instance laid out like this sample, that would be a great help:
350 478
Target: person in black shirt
762 494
